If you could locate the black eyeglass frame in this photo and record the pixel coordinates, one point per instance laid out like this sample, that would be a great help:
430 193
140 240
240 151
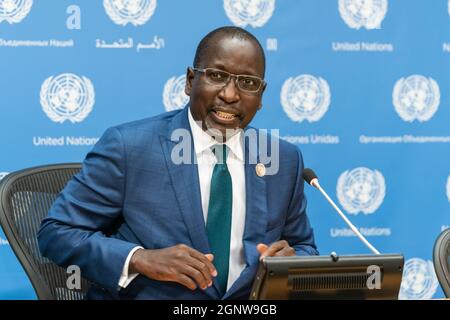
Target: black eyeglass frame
231 75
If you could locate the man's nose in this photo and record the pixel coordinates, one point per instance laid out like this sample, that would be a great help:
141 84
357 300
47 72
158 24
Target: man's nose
230 93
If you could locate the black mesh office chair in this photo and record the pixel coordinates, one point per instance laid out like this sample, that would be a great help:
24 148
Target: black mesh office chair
441 259
25 198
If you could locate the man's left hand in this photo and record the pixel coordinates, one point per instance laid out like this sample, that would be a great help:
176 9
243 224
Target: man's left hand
277 249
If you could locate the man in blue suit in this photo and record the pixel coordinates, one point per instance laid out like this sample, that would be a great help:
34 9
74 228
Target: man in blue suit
143 224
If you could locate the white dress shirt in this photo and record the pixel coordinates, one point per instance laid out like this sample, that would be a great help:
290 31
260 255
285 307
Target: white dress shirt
206 161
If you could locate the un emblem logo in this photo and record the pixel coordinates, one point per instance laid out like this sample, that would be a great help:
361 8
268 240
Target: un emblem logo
419 280
363 13
67 97
173 94
305 97
249 12
13 11
136 12
361 190
416 98
3 174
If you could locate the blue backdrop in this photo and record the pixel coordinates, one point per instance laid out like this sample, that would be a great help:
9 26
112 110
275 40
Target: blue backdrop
360 86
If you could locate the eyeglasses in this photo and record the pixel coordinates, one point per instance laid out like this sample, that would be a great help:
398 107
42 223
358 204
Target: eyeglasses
221 78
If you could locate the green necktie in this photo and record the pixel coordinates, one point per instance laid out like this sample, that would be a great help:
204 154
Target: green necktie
218 222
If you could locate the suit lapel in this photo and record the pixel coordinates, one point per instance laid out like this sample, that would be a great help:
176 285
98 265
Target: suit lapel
186 184
255 217
187 188
256 208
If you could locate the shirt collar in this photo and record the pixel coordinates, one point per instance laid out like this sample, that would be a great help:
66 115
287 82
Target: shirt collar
203 141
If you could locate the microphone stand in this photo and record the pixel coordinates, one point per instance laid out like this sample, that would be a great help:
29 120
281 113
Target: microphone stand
315 183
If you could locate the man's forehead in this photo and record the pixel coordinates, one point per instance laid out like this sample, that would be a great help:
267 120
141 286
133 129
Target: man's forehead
227 46
221 40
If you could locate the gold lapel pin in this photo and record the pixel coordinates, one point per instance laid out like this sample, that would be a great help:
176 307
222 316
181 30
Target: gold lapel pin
260 170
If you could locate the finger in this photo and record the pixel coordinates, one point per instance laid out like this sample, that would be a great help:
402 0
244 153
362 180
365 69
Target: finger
274 248
261 248
195 275
186 281
200 266
285 252
209 256
202 258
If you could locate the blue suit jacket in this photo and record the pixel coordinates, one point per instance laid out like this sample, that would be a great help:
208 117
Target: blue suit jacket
130 193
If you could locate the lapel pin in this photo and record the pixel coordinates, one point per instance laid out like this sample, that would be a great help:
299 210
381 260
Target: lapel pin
260 170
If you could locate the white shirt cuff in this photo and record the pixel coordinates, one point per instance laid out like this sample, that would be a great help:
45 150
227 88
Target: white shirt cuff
125 278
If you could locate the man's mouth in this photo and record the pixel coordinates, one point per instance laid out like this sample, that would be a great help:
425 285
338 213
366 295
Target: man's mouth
225 115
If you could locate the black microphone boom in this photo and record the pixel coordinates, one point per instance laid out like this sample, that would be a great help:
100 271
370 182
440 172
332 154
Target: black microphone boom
309 175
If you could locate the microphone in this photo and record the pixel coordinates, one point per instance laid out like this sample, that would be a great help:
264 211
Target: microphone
310 177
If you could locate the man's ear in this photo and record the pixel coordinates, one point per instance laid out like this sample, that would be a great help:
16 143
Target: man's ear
262 91
189 78
263 88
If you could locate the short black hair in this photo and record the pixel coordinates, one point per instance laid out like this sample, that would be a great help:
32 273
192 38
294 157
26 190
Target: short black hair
227 31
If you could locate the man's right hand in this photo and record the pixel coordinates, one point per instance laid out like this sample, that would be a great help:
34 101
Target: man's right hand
179 263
